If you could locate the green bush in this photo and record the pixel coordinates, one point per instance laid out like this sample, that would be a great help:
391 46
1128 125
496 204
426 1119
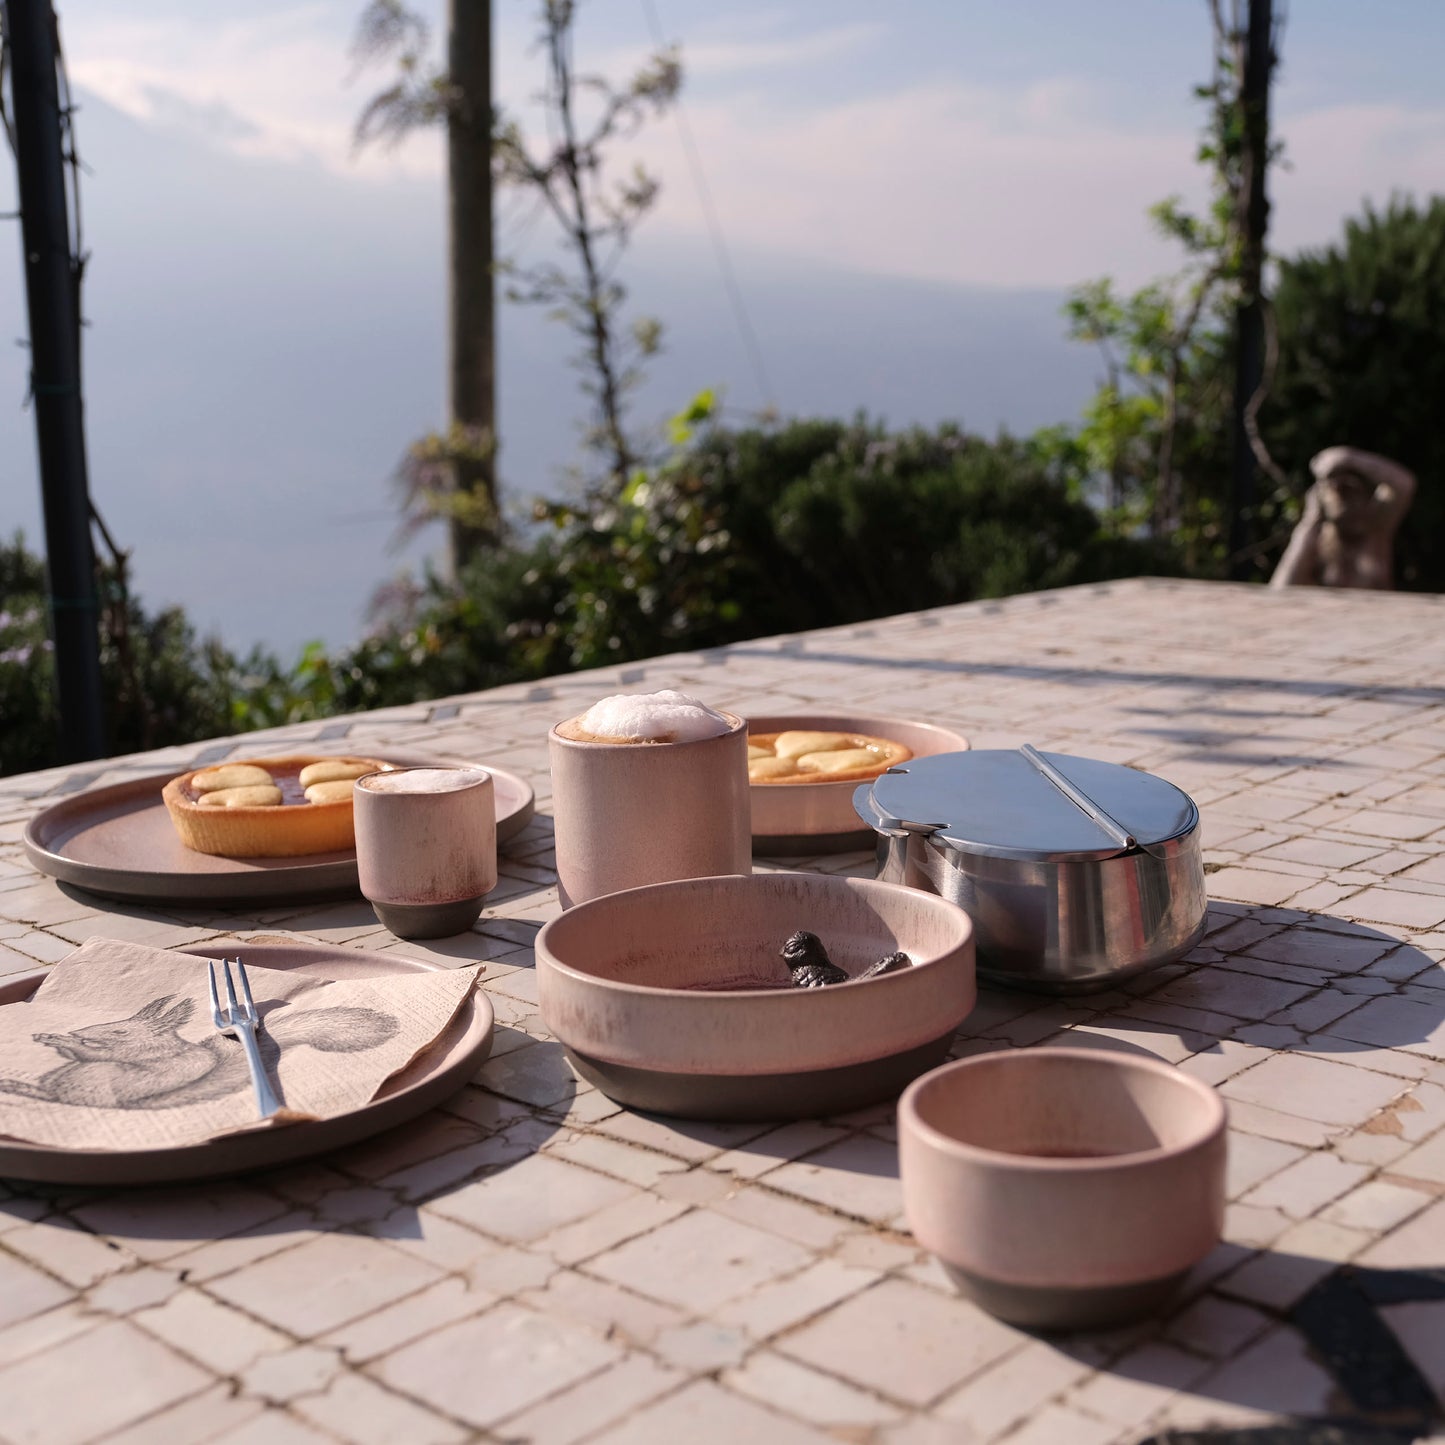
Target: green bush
745 534
27 669
894 524
738 534
160 684
489 629
1362 363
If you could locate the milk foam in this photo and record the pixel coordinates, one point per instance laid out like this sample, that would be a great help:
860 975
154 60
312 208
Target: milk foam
667 716
422 780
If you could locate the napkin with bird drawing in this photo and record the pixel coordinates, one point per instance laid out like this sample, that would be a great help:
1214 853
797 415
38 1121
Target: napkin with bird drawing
116 1048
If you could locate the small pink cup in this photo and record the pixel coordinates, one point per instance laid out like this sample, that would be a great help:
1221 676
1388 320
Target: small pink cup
629 814
426 847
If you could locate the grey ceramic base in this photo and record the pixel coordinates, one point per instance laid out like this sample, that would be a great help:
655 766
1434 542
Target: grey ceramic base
1033 1307
813 1094
428 920
808 845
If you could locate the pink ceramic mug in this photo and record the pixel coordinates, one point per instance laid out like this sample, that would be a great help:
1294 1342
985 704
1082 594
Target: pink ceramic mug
633 813
426 847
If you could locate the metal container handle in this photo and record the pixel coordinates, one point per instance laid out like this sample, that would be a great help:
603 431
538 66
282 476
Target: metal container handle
866 807
1076 795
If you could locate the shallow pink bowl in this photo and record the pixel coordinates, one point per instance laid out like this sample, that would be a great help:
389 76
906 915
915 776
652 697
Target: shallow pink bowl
1063 1188
795 819
648 990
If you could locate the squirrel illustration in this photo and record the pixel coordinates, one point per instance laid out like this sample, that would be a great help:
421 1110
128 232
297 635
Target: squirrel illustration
143 1063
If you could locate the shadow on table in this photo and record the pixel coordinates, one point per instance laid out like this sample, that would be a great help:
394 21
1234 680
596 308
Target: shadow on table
1074 673
373 1186
1325 1431
1378 1395
1376 992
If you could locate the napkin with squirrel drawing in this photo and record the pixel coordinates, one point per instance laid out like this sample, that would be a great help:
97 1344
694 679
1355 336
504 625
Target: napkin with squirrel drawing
116 1049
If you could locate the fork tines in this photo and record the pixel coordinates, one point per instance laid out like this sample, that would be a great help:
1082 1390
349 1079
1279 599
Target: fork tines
235 1011
217 1017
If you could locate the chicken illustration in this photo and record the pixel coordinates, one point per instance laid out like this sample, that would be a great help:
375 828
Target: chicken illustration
142 1062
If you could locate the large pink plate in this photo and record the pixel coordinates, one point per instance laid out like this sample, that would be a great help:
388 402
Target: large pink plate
118 841
426 1081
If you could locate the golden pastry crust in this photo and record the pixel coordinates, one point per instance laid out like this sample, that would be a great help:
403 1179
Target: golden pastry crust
291 828
789 758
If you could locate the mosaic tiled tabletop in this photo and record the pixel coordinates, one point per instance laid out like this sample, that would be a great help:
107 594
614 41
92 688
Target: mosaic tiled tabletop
533 1263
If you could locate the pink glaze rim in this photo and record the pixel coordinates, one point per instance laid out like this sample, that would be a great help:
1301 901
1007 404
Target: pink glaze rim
757 997
781 1029
476 775
909 1117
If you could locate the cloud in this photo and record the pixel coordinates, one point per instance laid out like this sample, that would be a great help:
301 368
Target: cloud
215 121
728 57
278 86
1041 185
1341 156
946 182
977 185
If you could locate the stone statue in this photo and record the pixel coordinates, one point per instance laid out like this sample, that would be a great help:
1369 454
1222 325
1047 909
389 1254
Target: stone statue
1345 536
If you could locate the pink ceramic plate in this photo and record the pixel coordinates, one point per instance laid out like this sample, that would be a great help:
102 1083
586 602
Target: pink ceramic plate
791 820
118 841
425 1082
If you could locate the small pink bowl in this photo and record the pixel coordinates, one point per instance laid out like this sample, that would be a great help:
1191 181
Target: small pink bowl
1063 1188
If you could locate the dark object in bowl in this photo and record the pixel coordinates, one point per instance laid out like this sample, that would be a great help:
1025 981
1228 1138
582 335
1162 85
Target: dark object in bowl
889 963
808 962
673 997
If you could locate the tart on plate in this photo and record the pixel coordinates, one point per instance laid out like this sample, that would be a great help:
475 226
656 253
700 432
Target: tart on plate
808 756
268 807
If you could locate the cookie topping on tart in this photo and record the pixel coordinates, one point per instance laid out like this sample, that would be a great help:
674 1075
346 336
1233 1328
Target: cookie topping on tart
803 756
268 807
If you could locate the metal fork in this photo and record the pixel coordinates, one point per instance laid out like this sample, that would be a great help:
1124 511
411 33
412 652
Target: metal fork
242 1020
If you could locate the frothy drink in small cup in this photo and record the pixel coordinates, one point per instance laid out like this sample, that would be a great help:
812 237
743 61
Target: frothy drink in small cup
420 780
426 847
647 788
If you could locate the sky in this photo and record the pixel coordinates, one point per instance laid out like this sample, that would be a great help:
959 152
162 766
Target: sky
905 192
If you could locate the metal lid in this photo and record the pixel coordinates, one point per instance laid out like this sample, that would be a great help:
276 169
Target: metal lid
1047 807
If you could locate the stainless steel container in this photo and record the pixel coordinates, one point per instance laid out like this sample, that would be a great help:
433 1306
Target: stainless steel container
1077 873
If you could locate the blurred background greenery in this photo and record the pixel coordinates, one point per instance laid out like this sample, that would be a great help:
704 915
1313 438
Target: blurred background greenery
749 532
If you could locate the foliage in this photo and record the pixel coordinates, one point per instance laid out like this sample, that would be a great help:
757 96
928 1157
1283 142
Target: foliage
737 534
569 176
595 216
27 669
432 482
1156 435
485 629
449 475
1361 361
161 685
749 533
419 95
